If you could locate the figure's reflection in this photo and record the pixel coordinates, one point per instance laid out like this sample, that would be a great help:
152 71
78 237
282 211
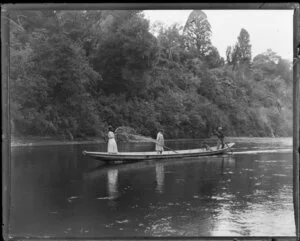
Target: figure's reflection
112 183
160 177
228 163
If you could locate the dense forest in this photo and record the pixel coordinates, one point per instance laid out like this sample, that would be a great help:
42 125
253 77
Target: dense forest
73 73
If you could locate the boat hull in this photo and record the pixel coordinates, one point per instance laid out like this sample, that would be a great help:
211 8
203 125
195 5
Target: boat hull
139 156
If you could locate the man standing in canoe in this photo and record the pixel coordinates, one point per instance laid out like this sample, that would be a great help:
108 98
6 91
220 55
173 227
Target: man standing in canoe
160 142
219 133
111 145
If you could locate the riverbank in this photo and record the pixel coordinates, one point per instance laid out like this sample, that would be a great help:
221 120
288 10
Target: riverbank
47 141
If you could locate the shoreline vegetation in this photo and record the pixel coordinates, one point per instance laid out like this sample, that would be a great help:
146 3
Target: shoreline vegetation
48 141
74 73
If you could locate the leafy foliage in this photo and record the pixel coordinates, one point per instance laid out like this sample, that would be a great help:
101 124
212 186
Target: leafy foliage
240 53
198 32
244 46
72 73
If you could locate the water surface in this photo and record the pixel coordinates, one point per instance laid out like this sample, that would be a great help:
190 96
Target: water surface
58 192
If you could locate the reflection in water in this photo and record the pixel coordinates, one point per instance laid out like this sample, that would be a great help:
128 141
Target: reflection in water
229 161
112 183
248 195
160 177
228 164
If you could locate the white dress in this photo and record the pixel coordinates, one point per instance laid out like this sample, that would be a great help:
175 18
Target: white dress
112 145
160 142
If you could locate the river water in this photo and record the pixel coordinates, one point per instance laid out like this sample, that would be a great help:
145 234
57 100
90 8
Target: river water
58 192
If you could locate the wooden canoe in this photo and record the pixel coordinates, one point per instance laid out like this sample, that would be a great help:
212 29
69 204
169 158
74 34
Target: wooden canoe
139 156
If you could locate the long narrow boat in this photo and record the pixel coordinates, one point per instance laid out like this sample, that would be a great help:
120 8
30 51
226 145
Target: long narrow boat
139 156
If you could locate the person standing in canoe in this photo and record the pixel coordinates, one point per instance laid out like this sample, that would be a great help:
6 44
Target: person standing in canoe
112 144
219 133
160 142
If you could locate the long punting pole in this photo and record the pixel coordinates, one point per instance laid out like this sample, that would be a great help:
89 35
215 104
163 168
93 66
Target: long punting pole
296 119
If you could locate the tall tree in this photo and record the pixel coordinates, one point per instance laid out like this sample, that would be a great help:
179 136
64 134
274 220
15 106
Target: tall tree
198 32
240 53
229 55
244 46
